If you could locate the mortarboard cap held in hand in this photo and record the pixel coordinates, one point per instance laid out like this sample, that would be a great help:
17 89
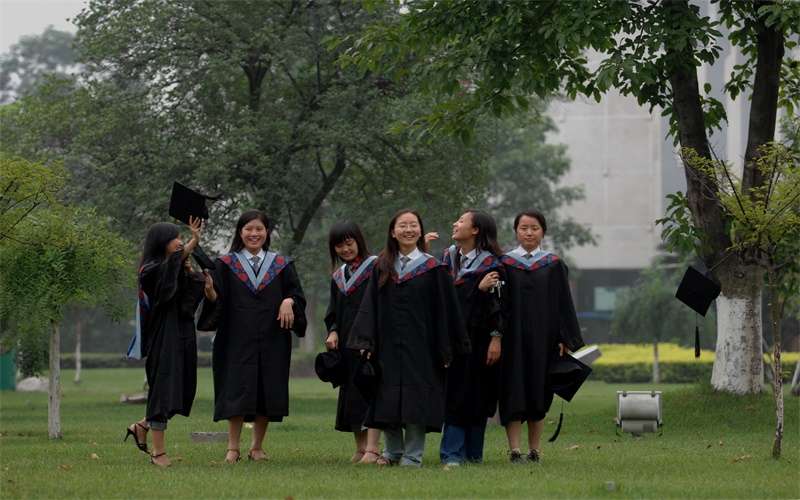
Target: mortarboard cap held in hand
329 368
698 290
187 202
566 375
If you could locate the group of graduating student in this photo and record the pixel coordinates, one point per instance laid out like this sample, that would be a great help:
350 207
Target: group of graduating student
450 338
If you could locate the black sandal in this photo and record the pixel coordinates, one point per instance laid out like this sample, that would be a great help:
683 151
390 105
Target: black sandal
152 461
142 446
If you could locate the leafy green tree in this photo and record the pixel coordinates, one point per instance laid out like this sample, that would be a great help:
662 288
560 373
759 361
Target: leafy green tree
764 220
52 254
651 50
33 57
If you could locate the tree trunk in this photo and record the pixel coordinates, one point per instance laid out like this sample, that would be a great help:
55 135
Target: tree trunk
738 363
78 331
54 397
307 342
776 349
656 365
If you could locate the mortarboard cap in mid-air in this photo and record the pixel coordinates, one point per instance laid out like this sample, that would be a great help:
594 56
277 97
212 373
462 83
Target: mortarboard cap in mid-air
698 290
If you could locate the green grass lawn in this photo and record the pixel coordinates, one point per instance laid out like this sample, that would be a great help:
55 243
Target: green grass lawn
700 453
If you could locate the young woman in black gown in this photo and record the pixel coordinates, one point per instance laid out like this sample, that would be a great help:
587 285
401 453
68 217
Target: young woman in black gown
472 379
169 293
410 322
543 326
256 304
348 247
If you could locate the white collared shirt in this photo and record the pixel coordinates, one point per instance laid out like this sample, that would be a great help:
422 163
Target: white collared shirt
468 257
415 254
522 252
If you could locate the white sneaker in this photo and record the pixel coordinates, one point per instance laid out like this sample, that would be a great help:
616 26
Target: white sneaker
452 464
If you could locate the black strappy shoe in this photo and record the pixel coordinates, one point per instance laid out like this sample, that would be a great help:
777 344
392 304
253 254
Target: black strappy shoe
142 446
152 461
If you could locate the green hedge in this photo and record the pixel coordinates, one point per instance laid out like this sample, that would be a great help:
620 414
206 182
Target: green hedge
671 372
302 363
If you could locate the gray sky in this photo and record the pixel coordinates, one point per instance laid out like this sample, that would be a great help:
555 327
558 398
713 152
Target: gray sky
31 17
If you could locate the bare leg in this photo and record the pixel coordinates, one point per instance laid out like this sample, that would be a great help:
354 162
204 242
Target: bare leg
259 431
234 433
513 433
361 443
372 450
159 456
535 430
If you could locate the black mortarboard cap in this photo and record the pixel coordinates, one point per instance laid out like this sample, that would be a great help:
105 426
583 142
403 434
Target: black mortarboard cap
365 377
185 202
698 290
566 375
202 259
329 368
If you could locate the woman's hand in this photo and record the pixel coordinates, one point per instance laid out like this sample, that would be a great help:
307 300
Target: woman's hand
286 314
493 354
431 236
561 349
195 227
489 281
332 342
211 294
187 266
361 353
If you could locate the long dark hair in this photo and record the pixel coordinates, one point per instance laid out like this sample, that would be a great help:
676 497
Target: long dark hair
155 242
539 216
486 239
388 256
340 232
237 244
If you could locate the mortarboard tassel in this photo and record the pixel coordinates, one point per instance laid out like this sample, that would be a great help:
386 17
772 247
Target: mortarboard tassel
560 421
696 338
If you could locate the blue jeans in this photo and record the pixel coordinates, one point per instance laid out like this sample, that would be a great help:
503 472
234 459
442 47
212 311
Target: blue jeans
462 443
407 450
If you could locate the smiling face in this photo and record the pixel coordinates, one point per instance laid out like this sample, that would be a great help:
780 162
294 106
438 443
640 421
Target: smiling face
462 229
254 235
407 231
347 250
529 233
173 245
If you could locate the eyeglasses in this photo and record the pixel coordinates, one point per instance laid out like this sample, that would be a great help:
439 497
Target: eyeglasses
405 225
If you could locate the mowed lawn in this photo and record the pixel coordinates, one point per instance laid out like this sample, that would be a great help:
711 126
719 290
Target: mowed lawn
712 446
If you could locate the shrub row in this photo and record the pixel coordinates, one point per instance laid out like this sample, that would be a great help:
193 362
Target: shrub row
617 364
670 372
302 365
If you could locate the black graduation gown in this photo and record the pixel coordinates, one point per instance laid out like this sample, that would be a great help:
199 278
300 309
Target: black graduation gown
251 352
413 328
342 309
169 338
542 315
471 384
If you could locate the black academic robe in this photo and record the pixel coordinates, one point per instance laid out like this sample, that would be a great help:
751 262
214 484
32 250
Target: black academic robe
342 309
471 384
169 338
413 327
251 352
542 315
